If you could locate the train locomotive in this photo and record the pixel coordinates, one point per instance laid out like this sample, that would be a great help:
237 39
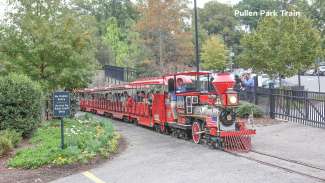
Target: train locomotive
192 105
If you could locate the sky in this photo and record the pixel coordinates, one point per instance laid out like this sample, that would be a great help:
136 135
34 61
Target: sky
200 3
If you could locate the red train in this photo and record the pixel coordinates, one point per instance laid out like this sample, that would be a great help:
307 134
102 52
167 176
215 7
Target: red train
197 105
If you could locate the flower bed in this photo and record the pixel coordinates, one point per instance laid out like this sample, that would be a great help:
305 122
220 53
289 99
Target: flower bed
85 138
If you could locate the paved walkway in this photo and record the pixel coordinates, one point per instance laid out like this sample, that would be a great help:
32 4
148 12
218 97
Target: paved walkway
292 141
152 157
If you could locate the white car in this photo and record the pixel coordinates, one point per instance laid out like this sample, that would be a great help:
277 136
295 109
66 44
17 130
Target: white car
276 83
321 70
310 72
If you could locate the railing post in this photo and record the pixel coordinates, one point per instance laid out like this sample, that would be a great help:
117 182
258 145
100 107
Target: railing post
306 102
272 101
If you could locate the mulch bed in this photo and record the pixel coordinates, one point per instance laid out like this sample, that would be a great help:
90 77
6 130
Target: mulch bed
48 173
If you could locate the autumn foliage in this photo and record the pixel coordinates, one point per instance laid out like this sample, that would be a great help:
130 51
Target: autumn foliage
165 35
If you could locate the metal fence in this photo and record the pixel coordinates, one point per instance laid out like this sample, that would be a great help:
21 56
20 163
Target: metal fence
119 73
303 107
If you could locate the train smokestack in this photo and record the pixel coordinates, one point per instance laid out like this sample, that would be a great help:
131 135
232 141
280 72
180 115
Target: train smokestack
222 82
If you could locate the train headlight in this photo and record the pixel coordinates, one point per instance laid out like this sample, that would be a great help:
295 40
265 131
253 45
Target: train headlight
232 99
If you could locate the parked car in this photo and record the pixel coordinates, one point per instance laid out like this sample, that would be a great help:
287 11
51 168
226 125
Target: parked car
322 63
321 70
262 78
276 83
310 72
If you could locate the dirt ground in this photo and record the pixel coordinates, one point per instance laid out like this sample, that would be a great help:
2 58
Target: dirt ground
48 173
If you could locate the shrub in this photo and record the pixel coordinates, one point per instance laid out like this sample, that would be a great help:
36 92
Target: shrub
245 109
20 103
13 136
5 145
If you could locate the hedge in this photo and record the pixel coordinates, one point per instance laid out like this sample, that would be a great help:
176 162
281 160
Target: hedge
20 103
245 109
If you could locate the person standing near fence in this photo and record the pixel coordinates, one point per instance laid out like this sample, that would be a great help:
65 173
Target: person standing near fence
238 84
249 87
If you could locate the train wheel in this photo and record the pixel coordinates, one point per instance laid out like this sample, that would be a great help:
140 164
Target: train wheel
196 132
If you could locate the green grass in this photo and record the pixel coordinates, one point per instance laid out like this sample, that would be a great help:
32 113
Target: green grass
85 138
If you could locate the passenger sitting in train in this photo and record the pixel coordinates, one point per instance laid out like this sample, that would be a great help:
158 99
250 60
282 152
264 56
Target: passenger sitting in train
180 87
109 96
130 101
142 96
136 97
124 96
150 97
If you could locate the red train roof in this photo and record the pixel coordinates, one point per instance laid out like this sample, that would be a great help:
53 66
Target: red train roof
190 73
160 80
148 81
186 76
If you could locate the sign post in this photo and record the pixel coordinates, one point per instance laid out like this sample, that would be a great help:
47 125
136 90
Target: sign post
61 109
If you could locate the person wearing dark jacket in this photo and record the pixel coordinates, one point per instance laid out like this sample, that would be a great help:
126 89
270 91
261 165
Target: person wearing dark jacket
238 84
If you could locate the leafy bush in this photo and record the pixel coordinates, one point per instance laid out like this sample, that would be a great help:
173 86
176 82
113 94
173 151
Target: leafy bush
84 139
13 136
20 103
245 109
8 140
5 145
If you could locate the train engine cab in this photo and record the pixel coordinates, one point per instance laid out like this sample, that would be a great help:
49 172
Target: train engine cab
204 107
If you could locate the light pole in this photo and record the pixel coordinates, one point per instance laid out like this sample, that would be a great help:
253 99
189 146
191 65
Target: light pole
197 56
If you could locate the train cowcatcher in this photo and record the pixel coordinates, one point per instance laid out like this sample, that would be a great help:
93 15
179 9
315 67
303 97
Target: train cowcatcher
192 105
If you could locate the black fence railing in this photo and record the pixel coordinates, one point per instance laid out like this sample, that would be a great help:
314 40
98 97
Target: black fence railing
293 105
119 73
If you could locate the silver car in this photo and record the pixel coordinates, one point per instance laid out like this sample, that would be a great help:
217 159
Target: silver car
321 70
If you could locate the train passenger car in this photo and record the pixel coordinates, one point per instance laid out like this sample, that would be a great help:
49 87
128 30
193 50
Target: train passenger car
187 105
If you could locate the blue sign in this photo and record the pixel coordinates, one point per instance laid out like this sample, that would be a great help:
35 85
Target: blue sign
61 104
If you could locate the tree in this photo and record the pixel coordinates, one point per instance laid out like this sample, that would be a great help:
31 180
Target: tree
256 6
164 35
317 14
49 43
281 46
122 43
214 54
123 11
218 18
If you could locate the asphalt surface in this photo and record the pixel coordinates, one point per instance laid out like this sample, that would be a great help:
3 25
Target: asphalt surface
151 157
310 83
293 141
